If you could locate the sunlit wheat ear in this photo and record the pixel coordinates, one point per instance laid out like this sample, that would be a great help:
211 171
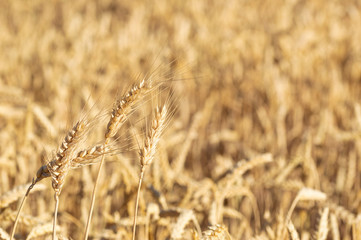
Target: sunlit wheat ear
62 162
149 149
68 151
89 156
123 108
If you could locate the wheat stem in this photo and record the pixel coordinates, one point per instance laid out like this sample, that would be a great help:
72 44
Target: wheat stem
93 199
21 208
55 215
120 113
148 152
137 201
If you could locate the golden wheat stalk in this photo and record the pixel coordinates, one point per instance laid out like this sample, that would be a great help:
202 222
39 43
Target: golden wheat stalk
148 151
21 208
61 164
123 108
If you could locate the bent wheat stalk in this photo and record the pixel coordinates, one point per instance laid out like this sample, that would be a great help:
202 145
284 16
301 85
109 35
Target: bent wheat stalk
59 167
148 152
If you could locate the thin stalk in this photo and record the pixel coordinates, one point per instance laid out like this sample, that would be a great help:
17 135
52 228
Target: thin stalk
21 208
93 200
55 215
137 201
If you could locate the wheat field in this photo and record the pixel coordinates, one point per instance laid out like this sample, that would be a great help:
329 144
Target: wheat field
241 118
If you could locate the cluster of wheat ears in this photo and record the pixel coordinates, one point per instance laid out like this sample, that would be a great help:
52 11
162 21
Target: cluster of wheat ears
70 154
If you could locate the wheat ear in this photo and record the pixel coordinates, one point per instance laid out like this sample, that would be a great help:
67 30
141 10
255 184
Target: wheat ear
123 108
59 167
148 152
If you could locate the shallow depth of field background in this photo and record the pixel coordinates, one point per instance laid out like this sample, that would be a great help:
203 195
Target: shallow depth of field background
251 78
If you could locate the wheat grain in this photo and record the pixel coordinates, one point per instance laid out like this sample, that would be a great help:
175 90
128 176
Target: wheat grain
88 156
82 158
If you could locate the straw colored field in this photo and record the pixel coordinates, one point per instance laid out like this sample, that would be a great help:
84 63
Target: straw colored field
264 141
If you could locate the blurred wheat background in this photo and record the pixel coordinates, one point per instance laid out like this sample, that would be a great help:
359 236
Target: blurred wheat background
265 142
